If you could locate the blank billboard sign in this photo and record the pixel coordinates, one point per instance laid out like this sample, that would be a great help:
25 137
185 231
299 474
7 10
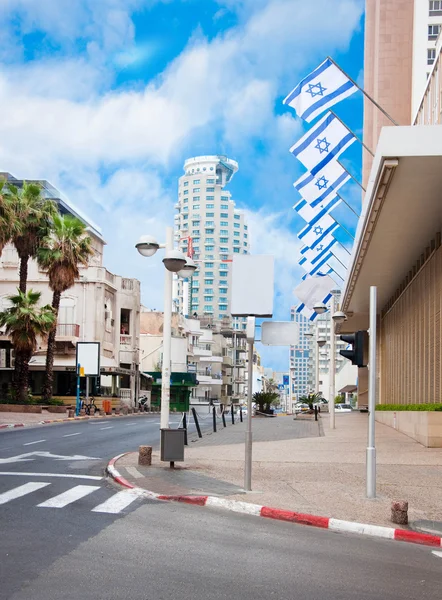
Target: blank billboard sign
279 333
88 357
252 285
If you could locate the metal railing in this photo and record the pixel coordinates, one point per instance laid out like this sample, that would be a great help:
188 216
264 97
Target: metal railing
126 340
127 284
67 330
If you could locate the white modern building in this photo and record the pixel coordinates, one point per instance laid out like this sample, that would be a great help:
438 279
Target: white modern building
302 358
212 230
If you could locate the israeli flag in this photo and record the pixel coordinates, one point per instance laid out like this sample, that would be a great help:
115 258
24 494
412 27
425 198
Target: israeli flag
337 266
314 213
331 273
307 312
325 142
316 233
321 187
311 257
325 86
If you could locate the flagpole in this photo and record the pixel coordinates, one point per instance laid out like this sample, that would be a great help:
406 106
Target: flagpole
353 133
346 230
364 92
354 178
347 204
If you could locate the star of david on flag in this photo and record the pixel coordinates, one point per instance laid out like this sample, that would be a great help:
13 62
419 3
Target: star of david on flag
324 87
316 233
320 188
312 214
325 142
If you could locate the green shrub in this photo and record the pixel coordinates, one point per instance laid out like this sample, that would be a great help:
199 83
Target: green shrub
401 407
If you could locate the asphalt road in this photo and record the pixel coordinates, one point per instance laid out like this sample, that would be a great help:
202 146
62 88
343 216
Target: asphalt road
69 534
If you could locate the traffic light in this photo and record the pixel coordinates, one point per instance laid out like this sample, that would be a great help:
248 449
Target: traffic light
359 351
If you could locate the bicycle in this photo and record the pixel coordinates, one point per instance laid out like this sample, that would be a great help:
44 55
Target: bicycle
88 407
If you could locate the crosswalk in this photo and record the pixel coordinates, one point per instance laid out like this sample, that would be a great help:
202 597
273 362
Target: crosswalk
32 492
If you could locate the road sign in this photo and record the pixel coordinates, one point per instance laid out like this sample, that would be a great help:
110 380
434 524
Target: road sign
88 357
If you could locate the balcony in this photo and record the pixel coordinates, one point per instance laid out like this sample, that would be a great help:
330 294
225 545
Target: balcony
127 284
228 360
126 340
67 331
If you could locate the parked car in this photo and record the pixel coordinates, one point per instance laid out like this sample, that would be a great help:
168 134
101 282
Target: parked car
301 407
244 412
343 408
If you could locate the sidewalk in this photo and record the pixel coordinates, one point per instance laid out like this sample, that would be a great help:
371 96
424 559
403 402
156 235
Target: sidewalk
303 467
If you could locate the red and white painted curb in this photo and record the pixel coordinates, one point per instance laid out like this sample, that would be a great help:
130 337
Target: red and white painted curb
390 533
69 419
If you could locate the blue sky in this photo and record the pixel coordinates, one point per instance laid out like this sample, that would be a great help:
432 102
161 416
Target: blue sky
106 98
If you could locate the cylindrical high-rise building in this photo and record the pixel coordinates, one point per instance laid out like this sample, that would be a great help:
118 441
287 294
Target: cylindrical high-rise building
209 224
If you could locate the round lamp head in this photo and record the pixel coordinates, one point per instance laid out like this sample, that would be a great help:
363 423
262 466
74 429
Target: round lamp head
174 261
321 342
339 317
189 268
320 308
308 334
147 245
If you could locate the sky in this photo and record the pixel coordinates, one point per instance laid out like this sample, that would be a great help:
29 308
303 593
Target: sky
107 98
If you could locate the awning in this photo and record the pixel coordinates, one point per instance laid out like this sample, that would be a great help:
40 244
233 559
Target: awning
348 389
108 366
401 214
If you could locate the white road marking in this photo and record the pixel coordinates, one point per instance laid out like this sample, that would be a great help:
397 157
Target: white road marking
134 472
110 427
436 553
28 455
21 490
68 476
75 493
117 502
37 442
71 434
130 424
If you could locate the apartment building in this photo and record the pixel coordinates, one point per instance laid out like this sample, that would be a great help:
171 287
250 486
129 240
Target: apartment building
100 307
212 230
302 358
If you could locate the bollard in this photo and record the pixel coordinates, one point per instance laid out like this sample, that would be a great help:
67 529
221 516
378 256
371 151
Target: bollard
224 418
214 419
233 414
316 413
197 425
125 410
240 414
71 413
117 411
399 512
145 455
185 429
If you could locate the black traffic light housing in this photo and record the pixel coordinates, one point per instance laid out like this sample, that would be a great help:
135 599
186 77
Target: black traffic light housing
359 352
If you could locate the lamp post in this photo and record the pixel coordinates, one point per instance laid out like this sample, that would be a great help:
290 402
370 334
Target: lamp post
175 262
319 344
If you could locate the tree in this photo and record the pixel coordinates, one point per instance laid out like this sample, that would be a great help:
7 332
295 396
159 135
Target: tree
61 251
33 214
311 399
24 322
9 224
264 400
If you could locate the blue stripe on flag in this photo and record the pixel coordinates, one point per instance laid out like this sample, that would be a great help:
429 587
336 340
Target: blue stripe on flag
298 89
321 264
331 155
317 131
329 230
343 177
326 99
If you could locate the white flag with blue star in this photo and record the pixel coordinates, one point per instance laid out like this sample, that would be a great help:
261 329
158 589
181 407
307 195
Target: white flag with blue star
326 141
319 232
322 186
314 213
325 86
314 289
306 312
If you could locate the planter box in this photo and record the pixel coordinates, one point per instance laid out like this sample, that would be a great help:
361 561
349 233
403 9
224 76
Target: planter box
423 426
20 408
57 409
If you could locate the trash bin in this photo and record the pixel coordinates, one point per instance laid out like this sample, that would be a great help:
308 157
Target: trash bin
172 444
107 406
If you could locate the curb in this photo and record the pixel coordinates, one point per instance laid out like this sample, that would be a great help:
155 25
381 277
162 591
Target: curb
337 525
46 422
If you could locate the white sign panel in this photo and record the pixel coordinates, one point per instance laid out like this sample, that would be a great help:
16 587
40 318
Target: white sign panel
279 333
252 285
88 357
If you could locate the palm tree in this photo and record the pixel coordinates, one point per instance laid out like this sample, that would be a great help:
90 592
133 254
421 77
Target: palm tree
24 322
60 253
34 214
9 224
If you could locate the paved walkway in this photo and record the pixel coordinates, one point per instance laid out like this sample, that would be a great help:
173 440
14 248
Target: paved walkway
300 466
10 418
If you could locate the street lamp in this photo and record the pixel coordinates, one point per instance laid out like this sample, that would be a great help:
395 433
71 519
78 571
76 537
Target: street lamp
320 308
175 262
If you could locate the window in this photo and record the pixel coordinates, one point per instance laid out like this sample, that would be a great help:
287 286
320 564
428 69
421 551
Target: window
433 31
245 227
223 274
245 244
185 209
210 230
224 215
185 200
186 192
209 273
431 55
186 183
210 206
208 265
210 240
210 248
196 207
236 233
435 7
210 214
196 224
185 217
195 240
226 198
208 291
222 290
195 190
224 232
210 197
224 223
210 181
196 181
236 250
245 236
208 298
210 189
236 225
224 240
224 256
223 300
237 216
210 223
223 282
208 308
236 242
208 282
224 250
224 207
209 256
222 307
